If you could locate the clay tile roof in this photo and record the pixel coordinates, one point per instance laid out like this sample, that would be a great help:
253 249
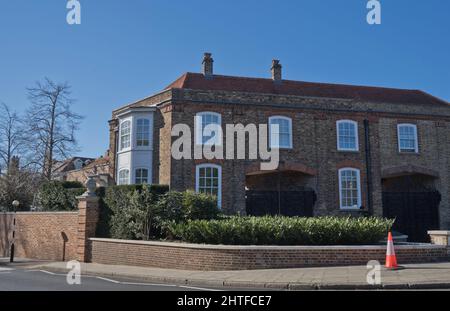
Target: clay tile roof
98 162
198 81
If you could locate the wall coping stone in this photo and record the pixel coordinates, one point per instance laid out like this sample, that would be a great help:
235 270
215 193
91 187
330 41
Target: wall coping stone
41 213
268 247
439 232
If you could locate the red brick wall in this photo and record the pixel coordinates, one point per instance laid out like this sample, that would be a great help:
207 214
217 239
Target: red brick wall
198 257
41 235
6 221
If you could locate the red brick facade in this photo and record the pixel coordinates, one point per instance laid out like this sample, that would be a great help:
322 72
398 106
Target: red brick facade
314 161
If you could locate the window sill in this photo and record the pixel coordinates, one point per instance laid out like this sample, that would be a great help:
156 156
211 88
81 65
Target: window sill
347 151
282 148
142 149
135 149
124 150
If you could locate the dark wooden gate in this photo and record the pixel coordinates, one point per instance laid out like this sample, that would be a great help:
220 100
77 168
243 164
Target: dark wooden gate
415 212
292 203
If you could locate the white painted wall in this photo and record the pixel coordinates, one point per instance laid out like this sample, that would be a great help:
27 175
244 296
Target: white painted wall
136 157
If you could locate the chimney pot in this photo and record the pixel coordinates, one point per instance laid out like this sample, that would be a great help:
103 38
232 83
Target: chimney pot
276 70
207 65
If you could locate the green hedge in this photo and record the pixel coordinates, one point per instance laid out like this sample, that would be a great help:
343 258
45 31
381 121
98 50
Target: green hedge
72 185
116 215
270 230
59 196
144 212
183 206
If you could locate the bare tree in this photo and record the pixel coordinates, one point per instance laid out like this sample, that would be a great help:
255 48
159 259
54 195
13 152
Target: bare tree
11 136
51 124
19 184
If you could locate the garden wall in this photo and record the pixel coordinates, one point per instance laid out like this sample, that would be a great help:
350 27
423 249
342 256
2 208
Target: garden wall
59 236
212 257
40 235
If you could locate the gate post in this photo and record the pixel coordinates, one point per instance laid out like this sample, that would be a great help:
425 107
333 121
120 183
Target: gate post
87 220
440 238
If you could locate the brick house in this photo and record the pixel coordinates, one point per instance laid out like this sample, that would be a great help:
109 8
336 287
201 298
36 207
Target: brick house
62 168
343 149
80 169
98 169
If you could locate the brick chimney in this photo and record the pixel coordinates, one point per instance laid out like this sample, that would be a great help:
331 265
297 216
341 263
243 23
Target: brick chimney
276 70
207 65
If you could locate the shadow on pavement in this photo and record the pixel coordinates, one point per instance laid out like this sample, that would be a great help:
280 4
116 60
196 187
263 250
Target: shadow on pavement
21 262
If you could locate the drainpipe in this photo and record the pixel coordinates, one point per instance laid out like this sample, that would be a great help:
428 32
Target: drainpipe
368 167
116 149
279 191
279 177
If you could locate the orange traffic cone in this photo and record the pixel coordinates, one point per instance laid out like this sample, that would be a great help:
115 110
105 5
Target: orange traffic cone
391 259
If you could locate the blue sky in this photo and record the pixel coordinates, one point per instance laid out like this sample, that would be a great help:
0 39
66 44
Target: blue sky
126 50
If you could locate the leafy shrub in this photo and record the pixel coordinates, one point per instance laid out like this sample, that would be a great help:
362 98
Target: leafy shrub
117 201
169 209
121 209
143 212
53 196
72 185
103 225
175 207
72 194
199 206
269 230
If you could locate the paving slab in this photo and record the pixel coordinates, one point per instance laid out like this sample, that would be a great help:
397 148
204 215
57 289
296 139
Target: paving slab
417 276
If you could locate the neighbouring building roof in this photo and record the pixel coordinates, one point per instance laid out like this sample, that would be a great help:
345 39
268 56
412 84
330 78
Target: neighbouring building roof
69 164
198 81
102 161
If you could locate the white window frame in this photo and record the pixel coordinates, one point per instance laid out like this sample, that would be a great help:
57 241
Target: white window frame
217 141
148 132
122 136
355 124
219 184
271 119
416 141
148 175
119 178
358 184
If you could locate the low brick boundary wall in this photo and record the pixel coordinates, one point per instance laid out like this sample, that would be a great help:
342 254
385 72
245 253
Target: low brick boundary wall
60 236
40 235
219 257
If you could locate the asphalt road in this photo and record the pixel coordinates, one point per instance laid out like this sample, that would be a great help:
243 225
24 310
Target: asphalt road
12 279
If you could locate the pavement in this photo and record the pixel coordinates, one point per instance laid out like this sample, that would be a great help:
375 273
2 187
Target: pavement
412 276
